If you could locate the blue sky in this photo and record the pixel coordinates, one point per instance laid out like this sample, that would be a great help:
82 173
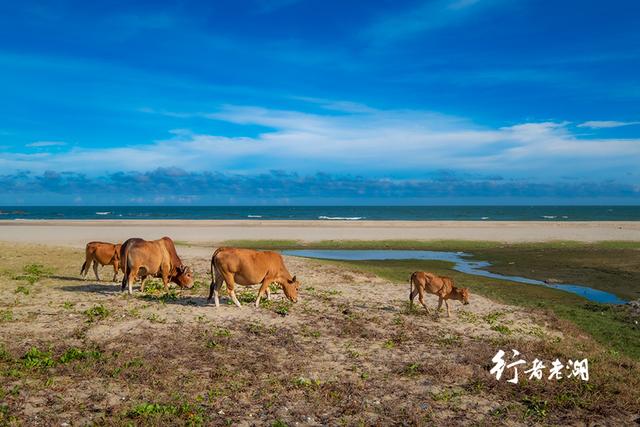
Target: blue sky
308 101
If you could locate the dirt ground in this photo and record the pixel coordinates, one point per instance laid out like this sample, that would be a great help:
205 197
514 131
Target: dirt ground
350 352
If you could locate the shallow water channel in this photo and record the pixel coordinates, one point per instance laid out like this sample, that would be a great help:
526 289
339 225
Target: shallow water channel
461 263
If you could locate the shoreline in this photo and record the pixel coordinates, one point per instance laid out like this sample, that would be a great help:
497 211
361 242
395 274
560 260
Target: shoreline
78 232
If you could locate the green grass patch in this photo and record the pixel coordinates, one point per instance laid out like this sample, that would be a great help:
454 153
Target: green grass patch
35 358
32 273
77 354
97 312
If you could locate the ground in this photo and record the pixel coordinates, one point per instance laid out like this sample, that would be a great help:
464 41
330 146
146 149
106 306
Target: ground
351 352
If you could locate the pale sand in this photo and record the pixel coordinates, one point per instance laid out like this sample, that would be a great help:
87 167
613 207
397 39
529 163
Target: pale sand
77 233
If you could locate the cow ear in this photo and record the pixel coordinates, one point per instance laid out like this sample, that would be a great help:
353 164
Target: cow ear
293 280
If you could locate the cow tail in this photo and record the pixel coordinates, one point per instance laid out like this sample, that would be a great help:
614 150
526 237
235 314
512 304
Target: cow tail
213 263
124 263
87 258
411 289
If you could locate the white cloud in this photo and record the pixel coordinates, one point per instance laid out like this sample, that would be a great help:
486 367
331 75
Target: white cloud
366 141
605 124
40 144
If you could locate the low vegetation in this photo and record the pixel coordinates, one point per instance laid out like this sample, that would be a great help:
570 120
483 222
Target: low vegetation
83 353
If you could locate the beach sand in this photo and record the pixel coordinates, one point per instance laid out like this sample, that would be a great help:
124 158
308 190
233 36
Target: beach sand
77 233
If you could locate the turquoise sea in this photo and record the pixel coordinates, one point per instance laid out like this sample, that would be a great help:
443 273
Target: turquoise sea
328 213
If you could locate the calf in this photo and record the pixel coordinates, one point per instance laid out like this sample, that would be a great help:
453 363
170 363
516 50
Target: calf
247 267
101 253
441 286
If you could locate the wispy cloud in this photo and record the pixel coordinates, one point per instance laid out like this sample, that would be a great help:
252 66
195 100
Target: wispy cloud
605 124
40 144
426 16
356 139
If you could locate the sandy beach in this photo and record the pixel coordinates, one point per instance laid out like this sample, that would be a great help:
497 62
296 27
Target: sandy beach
76 233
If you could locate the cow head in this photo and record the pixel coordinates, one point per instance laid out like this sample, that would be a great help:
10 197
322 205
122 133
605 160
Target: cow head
461 294
290 288
184 277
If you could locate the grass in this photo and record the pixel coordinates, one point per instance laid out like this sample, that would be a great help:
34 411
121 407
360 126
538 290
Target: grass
609 325
32 273
97 312
35 358
328 365
75 353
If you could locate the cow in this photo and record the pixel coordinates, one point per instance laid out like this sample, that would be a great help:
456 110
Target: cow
156 258
101 253
248 267
443 287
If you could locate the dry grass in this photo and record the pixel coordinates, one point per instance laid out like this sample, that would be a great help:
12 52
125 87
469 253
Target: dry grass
347 354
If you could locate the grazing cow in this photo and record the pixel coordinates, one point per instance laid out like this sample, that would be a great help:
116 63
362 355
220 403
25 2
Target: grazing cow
248 267
156 258
441 286
101 253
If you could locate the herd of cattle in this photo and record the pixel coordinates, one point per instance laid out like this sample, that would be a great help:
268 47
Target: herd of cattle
140 259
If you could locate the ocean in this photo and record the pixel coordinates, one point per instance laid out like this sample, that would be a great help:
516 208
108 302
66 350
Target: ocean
328 213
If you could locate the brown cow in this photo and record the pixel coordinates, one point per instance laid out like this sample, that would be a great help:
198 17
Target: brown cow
443 287
248 267
101 253
153 258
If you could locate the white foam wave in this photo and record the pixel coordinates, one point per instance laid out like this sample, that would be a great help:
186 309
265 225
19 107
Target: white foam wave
343 218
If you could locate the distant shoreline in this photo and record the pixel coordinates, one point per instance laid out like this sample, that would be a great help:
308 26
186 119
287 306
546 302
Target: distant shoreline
78 232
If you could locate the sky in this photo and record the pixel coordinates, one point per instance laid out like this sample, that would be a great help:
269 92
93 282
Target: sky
320 102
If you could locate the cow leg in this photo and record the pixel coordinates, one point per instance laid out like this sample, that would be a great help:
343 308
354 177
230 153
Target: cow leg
165 282
95 269
269 292
440 305
230 288
214 289
446 303
115 271
131 277
263 289
421 299
143 279
412 296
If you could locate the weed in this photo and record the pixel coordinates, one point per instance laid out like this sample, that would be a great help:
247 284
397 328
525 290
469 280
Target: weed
32 273
35 358
411 369
247 297
449 340
22 290
504 330
304 382
279 423
492 318
6 316
447 395
154 318
282 307
67 305
76 354
535 407
389 344
97 312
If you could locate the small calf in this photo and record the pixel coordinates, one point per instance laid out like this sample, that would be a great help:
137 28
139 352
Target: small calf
441 286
